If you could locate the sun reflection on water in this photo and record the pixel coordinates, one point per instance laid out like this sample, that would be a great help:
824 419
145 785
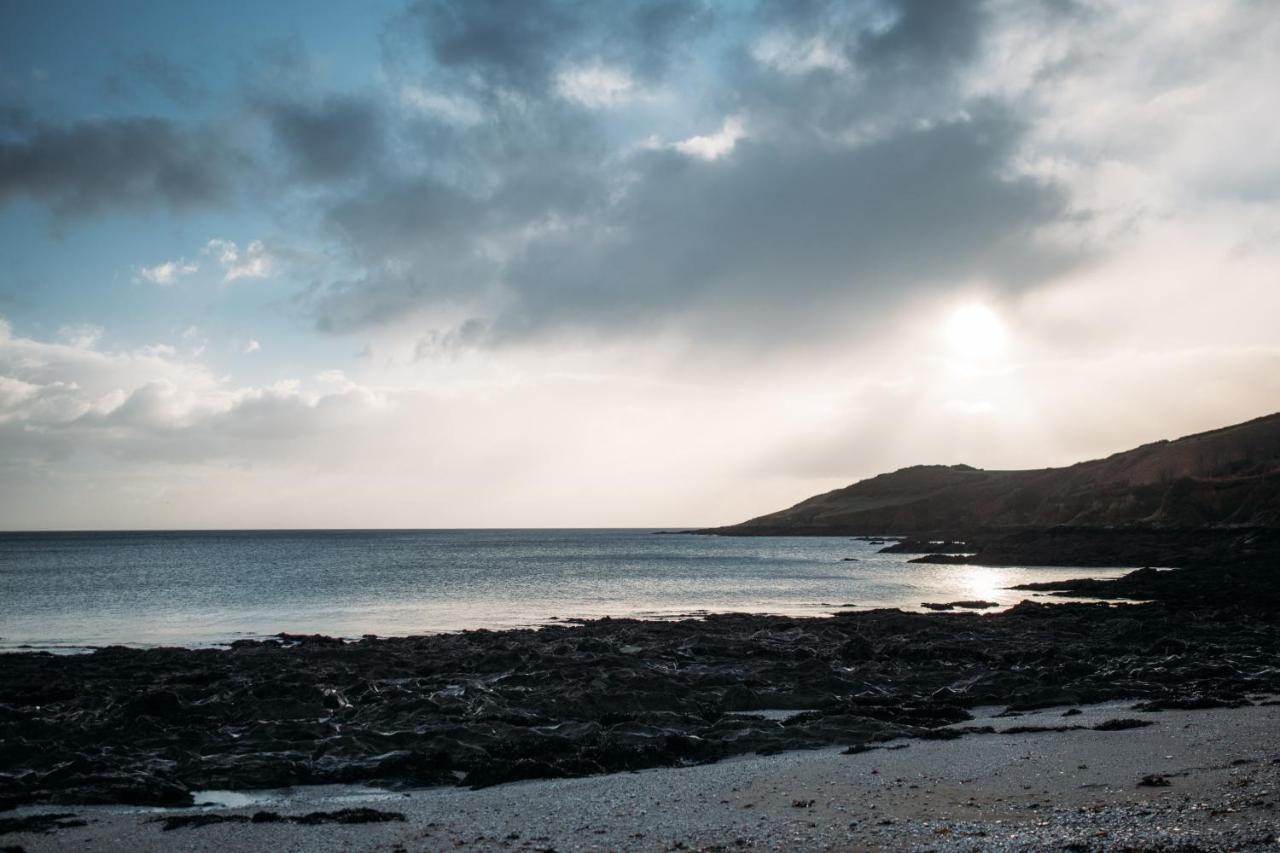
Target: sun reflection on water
984 583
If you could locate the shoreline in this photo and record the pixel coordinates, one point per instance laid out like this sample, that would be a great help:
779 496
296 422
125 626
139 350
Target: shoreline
478 708
1048 592
1025 791
157 592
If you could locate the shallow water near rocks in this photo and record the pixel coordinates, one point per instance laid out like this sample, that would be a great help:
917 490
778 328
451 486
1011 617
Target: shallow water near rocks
69 591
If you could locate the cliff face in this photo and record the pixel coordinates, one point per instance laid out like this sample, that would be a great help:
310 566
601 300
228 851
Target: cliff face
1226 477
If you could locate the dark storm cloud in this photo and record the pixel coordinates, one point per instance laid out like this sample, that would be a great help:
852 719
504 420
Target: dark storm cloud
905 59
487 37
521 46
852 185
134 162
773 235
863 171
887 36
789 234
416 243
331 139
924 34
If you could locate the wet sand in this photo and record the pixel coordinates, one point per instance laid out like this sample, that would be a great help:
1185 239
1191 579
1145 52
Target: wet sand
1035 791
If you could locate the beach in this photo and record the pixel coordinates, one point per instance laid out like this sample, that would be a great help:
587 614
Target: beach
1146 722
1076 790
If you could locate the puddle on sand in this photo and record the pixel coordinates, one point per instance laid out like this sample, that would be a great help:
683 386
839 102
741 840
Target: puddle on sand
290 796
235 799
779 714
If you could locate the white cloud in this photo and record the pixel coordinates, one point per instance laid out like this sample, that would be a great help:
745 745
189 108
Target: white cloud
254 261
716 145
70 397
167 273
596 86
251 346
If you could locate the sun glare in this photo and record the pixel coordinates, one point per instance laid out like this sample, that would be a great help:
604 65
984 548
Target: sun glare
983 583
976 332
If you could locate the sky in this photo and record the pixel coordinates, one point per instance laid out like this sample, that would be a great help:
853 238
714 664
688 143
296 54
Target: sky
550 263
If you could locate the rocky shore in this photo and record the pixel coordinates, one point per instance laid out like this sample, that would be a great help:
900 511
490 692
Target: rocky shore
480 708
1033 790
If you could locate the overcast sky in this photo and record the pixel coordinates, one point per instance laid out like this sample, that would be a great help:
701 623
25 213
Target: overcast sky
466 263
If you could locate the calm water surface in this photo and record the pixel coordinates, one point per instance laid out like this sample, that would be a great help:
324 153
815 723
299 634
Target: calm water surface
69 590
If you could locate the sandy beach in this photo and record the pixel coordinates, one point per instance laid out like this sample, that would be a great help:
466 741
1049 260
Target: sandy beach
1217 775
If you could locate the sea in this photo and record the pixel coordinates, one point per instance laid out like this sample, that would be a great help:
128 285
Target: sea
68 592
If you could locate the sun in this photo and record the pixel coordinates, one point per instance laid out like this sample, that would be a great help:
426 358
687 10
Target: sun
975 332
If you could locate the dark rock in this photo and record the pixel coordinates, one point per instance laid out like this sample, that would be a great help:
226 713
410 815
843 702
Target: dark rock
147 726
1121 724
926 546
162 704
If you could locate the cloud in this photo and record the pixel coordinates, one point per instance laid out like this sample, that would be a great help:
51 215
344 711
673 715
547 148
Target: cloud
59 399
166 273
800 55
146 437
254 261
524 48
455 109
596 86
251 346
873 152
330 139
854 168
768 238
80 336
91 165
899 41
715 145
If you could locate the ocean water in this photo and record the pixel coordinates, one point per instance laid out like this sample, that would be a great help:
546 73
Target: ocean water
73 590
